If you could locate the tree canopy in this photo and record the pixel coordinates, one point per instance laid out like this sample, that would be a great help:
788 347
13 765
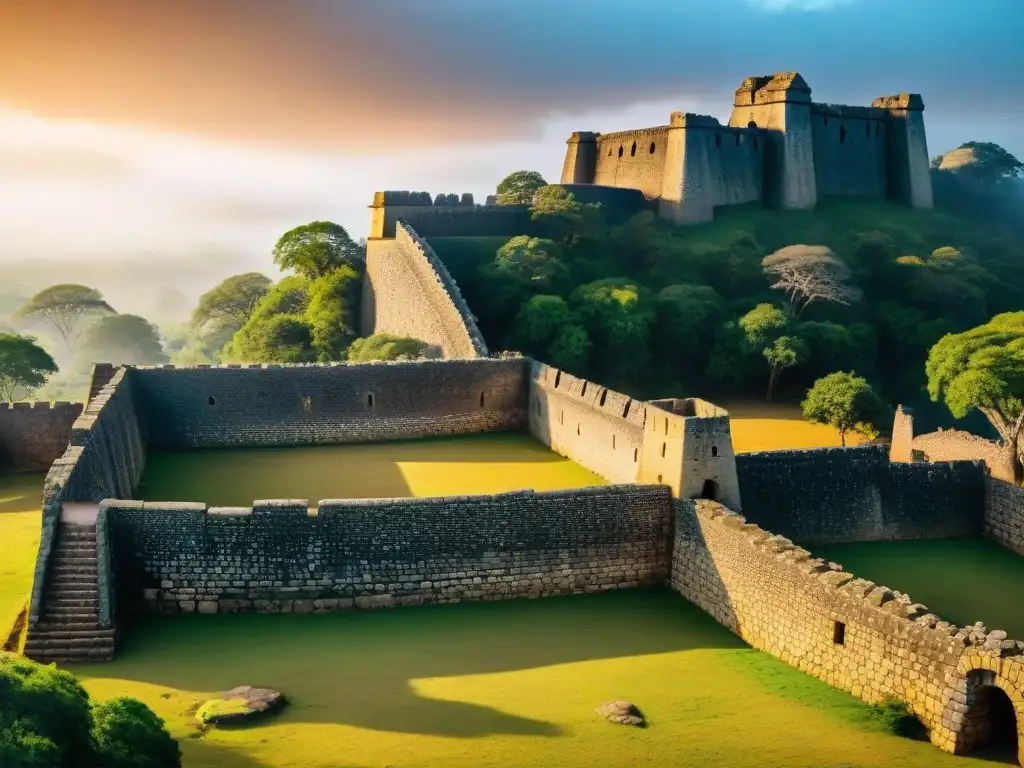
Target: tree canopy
231 302
316 249
24 366
845 402
807 273
519 187
386 346
122 340
983 368
64 306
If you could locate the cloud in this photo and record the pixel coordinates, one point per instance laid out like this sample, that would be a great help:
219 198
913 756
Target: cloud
778 6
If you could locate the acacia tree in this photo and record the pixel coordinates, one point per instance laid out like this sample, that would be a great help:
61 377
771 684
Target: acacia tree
808 273
231 303
765 329
983 369
123 340
316 249
64 306
518 188
24 366
845 402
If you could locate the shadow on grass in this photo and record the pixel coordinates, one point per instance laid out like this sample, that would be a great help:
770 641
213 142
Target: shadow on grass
203 753
361 669
21 491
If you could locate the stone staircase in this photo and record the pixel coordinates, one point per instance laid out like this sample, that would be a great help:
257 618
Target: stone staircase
68 630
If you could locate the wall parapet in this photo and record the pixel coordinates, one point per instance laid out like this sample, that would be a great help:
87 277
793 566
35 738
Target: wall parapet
34 434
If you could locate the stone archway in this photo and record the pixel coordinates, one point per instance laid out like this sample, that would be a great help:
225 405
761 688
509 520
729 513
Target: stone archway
709 490
993 717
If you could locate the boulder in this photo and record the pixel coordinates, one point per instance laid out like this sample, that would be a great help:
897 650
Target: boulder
621 712
239 705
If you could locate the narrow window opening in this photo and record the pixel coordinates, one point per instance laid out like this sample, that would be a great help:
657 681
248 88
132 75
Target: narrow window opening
625 409
211 401
826 121
652 147
752 124
659 478
613 442
842 134
839 633
561 417
663 446
558 379
584 392
714 450
666 426
755 142
737 137
609 151
632 151
481 399
877 128
634 455
718 139
620 151
604 395
867 130
369 400
577 429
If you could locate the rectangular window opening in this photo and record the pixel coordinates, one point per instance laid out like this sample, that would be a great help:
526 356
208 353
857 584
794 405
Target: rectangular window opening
839 633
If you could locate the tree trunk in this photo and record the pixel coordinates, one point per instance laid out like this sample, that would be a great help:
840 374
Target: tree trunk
842 437
771 384
1014 445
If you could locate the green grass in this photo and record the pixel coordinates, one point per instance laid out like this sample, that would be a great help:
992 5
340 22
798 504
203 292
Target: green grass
960 580
21 501
474 464
219 707
498 685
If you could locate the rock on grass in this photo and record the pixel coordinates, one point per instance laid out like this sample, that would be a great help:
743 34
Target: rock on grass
621 712
239 705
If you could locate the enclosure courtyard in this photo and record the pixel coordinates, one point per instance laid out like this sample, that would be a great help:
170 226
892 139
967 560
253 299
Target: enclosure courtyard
500 685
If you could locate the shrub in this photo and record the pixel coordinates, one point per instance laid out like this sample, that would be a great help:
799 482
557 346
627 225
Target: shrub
129 735
896 718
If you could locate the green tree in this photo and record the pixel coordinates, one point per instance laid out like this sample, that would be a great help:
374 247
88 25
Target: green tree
785 352
127 734
531 262
983 369
845 402
230 303
686 318
518 188
64 307
547 329
559 209
331 312
24 366
386 346
316 249
283 338
982 162
618 315
122 340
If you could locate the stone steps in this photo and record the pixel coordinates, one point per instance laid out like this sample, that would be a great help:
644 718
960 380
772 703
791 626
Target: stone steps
68 630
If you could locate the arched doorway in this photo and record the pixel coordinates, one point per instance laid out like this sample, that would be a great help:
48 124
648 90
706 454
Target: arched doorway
990 723
710 490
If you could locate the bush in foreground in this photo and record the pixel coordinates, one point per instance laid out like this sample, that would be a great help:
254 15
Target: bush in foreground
46 721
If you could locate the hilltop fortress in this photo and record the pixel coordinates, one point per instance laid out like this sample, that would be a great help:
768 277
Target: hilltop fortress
779 148
671 514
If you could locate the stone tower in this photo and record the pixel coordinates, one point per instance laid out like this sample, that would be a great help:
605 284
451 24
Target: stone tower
782 105
580 158
910 180
687 446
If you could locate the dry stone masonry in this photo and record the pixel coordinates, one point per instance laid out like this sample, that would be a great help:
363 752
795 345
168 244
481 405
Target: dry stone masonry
33 435
1004 514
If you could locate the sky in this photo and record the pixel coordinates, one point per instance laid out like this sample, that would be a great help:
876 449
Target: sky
151 148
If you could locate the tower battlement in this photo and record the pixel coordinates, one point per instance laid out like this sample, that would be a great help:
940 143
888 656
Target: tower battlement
779 148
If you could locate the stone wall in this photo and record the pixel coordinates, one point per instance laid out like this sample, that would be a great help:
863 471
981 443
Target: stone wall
408 291
446 216
215 407
367 553
105 454
1004 514
596 427
633 159
849 632
948 445
856 494
850 156
34 435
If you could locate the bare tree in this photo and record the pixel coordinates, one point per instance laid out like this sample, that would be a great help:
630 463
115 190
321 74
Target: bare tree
807 273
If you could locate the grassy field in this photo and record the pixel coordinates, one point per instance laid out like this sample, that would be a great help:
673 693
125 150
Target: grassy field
778 427
475 464
21 501
961 580
498 684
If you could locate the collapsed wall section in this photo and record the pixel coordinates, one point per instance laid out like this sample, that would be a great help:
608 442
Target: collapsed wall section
275 405
408 291
368 553
598 428
849 632
34 435
856 494
1004 514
